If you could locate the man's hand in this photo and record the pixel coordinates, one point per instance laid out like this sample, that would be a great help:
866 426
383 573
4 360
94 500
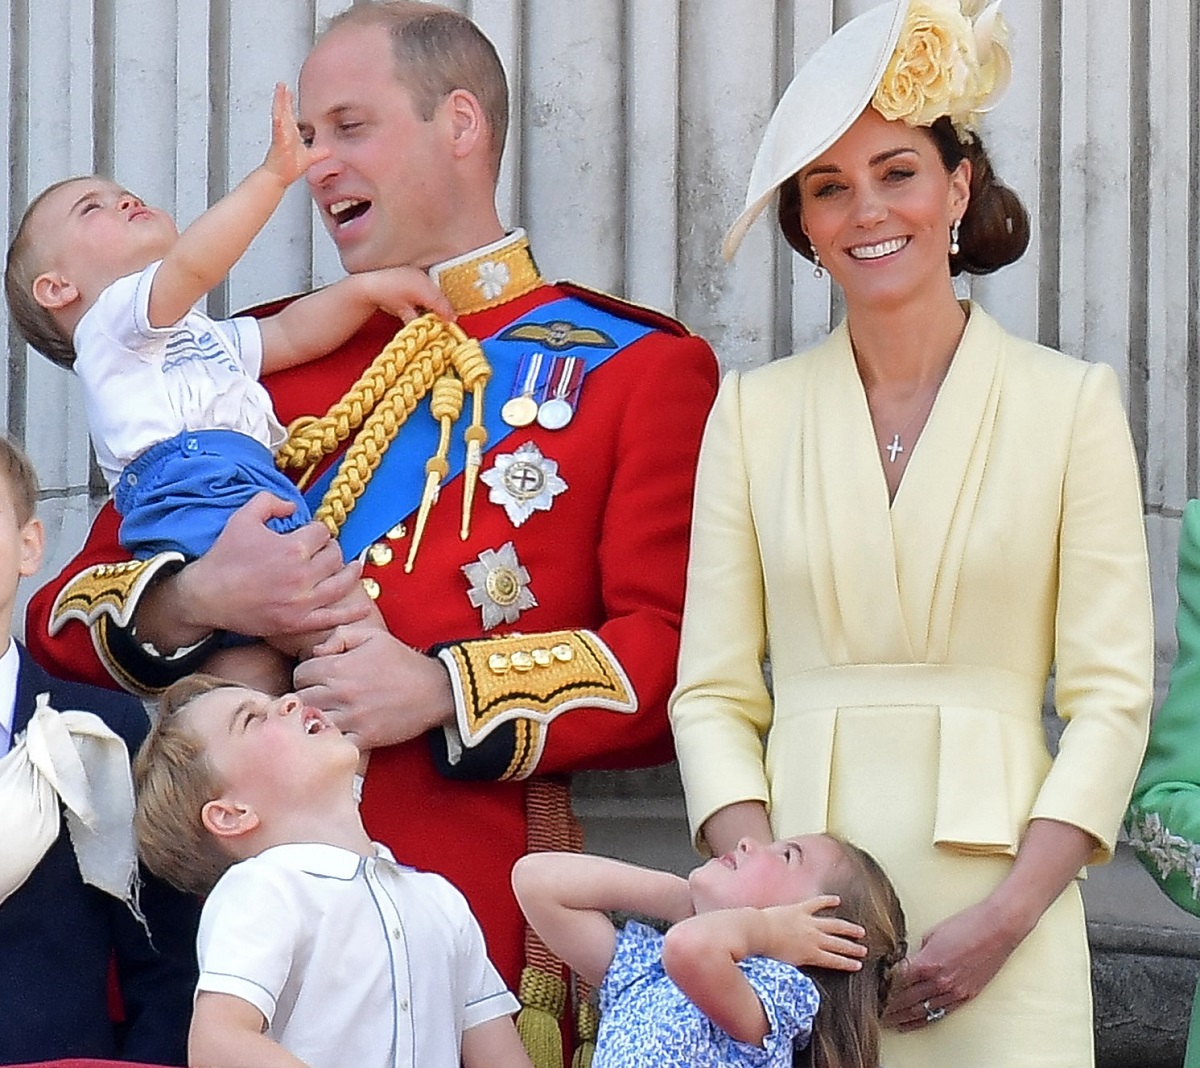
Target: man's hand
255 582
289 157
374 687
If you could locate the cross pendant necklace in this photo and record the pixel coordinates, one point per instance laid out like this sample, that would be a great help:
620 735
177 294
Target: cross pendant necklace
923 408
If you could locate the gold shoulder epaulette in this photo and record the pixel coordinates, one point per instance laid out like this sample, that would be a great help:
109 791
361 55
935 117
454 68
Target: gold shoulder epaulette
111 590
529 680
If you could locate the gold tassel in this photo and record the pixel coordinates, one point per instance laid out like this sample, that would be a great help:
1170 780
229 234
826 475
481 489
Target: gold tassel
445 406
587 1027
475 372
543 997
377 406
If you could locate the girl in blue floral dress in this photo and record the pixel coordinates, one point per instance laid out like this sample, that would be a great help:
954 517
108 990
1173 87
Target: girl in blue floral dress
723 986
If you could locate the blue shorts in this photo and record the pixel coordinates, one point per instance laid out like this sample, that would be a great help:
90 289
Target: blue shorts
179 494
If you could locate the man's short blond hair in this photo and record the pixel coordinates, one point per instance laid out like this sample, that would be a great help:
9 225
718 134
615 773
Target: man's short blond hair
437 50
174 780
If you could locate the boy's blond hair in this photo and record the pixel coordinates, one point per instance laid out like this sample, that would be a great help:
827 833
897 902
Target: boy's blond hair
34 323
174 781
17 471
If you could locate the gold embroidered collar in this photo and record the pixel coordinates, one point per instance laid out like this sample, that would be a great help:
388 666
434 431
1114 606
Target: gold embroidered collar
489 276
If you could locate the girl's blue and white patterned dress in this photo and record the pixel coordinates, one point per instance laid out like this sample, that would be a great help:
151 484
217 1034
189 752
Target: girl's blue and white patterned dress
647 1020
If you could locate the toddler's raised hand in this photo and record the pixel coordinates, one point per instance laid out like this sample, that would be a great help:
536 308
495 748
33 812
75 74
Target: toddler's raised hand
288 157
405 292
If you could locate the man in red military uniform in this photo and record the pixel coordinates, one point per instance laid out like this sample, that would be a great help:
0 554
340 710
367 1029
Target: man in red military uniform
533 627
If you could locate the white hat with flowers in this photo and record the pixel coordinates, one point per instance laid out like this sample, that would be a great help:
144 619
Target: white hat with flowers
913 60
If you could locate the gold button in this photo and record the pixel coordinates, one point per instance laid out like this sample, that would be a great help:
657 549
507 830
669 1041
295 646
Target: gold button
498 663
380 554
522 661
372 588
563 652
541 657
397 532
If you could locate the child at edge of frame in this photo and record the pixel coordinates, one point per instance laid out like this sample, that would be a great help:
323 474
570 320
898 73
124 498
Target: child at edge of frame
97 958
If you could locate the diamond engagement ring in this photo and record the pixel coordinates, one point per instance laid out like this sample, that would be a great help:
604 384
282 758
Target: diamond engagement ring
932 1015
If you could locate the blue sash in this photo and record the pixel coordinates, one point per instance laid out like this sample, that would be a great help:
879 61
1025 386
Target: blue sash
395 488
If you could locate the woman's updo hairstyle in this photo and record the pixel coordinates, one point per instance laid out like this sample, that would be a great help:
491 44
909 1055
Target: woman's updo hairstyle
994 231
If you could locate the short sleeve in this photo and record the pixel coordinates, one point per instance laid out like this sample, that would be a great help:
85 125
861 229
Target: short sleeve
247 938
638 951
245 335
789 998
119 315
485 997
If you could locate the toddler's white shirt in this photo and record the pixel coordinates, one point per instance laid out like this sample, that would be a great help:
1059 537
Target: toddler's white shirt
143 385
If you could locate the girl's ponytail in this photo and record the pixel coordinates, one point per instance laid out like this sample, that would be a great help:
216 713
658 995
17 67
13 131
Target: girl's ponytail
846 1030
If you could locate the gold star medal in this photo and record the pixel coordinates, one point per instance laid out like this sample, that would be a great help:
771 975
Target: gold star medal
499 586
523 482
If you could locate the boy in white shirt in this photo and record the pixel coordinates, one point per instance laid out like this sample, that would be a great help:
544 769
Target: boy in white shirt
315 947
101 282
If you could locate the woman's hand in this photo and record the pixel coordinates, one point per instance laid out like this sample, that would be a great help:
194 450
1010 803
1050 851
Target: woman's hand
729 825
963 953
957 959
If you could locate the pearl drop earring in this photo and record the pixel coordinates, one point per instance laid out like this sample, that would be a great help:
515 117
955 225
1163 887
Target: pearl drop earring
818 270
954 248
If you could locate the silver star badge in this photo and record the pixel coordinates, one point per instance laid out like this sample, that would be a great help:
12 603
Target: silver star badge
524 482
499 586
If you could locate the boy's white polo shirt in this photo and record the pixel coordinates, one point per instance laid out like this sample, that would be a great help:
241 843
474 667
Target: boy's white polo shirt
352 960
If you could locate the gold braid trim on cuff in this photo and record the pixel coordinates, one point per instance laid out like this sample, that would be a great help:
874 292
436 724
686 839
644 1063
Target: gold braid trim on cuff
111 590
529 680
377 406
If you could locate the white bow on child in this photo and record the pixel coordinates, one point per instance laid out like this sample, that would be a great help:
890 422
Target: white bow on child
72 757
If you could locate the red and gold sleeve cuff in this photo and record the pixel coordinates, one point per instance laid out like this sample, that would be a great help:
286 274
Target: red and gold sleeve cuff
509 689
104 598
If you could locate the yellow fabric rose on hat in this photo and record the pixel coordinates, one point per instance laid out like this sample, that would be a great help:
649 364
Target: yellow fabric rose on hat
945 64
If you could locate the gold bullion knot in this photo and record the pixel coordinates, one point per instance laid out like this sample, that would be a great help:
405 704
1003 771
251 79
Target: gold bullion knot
379 403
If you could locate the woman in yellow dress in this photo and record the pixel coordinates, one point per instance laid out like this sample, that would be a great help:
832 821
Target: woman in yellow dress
913 522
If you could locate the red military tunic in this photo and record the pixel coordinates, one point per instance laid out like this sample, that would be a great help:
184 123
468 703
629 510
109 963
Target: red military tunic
608 557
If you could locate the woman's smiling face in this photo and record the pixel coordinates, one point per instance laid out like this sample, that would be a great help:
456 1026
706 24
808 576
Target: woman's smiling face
878 207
